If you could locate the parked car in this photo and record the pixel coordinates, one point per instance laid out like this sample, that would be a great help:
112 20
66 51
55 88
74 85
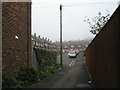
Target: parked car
72 54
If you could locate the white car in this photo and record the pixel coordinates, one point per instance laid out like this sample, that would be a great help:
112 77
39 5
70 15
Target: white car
72 54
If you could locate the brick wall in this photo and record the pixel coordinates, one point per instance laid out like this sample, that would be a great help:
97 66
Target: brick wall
16 22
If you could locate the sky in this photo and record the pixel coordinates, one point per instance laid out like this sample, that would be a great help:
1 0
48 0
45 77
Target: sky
46 17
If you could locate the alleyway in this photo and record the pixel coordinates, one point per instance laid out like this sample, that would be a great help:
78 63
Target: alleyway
72 75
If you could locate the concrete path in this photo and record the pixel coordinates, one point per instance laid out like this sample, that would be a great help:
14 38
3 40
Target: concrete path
72 75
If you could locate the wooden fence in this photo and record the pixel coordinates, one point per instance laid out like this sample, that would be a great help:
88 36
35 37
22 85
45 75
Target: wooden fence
42 42
103 55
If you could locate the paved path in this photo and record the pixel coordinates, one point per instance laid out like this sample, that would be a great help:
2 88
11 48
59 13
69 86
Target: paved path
73 75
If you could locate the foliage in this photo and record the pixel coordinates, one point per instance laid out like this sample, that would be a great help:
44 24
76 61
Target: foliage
27 75
97 23
45 57
48 70
10 82
47 61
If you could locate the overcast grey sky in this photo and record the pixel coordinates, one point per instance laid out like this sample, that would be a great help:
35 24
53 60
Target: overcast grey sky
46 17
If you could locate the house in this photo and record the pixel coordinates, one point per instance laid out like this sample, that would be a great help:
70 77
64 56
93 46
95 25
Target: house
67 48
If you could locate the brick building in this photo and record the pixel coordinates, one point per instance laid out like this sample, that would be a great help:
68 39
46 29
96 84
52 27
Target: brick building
78 45
16 36
68 48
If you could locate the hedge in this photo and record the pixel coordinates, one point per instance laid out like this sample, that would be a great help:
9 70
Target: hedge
45 57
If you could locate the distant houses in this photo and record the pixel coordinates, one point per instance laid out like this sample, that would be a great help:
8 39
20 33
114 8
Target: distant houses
68 48
73 45
41 42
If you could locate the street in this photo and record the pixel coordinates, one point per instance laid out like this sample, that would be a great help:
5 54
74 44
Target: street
73 75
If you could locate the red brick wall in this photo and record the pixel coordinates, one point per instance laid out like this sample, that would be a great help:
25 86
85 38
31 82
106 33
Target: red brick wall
16 20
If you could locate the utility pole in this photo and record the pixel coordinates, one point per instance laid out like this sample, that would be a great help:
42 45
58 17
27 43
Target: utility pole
61 34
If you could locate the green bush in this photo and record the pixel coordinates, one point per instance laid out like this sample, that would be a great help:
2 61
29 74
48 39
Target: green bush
41 74
10 82
48 70
45 57
27 75
53 68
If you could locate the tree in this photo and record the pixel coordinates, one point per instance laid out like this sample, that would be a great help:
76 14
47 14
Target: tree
97 23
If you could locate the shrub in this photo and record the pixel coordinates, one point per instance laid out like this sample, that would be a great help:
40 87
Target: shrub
45 57
10 82
48 70
27 75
